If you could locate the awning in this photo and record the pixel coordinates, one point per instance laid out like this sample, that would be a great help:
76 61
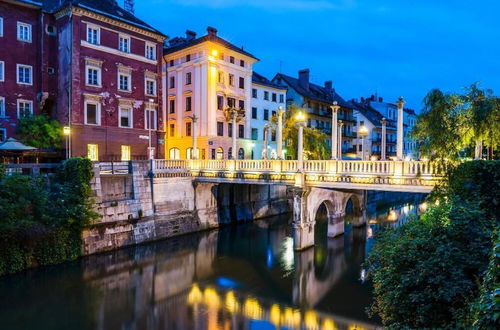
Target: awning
13 145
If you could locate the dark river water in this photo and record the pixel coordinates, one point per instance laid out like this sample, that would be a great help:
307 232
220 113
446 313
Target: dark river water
241 277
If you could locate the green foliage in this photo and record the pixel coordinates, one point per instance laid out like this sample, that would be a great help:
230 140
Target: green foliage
427 272
315 146
40 131
450 124
42 219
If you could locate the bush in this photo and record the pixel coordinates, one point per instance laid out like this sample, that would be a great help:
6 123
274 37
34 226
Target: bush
427 272
40 132
42 220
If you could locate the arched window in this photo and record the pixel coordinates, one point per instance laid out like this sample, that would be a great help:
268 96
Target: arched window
230 153
241 154
189 153
174 153
220 153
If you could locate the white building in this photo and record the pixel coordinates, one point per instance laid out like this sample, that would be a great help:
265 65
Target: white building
202 77
267 98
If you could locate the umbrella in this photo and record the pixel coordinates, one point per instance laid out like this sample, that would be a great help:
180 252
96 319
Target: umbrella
13 145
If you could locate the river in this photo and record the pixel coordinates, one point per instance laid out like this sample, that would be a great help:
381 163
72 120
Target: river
240 277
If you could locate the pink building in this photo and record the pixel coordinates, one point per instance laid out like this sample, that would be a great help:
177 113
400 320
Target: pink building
90 64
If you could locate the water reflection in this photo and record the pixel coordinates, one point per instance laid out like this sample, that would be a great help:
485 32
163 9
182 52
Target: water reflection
246 277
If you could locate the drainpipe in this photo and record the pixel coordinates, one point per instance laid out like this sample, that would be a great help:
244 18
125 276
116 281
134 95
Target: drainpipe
70 87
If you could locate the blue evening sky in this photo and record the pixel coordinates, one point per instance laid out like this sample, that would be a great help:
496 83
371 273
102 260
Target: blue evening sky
393 47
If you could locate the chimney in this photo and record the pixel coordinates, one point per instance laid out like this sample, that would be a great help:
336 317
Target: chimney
372 97
380 99
190 35
362 99
212 31
128 5
328 85
304 79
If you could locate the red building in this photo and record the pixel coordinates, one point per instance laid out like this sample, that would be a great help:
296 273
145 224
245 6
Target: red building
90 64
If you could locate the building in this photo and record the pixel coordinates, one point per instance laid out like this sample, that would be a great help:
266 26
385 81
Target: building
373 120
390 111
92 65
267 98
203 78
317 100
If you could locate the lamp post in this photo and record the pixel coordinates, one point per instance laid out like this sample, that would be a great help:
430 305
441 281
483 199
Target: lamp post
194 154
335 109
363 132
151 154
280 133
399 149
67 133
301 122
384 137
339 156
266 142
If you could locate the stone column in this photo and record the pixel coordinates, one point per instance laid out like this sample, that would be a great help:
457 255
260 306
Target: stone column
303 227
399 149
335 108
300 146
384 139
335 224
280 133
266 142
233 151
194 154
339 156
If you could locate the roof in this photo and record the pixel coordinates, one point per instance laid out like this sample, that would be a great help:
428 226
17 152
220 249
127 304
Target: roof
261 80
181 43
371 114
13 145
109 8
314 92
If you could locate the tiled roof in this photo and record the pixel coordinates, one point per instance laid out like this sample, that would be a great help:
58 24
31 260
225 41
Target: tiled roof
261 80
108 8
182 43
314 92
372 115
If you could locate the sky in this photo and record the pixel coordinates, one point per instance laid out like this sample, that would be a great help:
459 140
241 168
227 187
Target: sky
390 48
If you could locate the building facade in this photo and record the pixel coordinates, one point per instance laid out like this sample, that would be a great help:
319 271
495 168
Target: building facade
203 78
317 100
91 65
267 99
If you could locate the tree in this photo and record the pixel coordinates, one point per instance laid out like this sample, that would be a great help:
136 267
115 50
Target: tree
40 131
315 146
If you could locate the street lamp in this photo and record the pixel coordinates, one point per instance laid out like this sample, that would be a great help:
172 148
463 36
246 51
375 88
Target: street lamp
335 109
400 129
150 119
266 142
363 132
384 137
67 133
300 120
280 132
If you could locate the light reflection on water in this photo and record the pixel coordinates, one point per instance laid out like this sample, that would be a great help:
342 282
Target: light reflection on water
245 277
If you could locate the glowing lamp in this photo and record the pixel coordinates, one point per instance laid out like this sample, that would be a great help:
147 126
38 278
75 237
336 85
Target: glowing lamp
300 117
215 53
363 130
66 130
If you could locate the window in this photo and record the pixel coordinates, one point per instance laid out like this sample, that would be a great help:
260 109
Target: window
241 104
188 103
188 78
24 108
220 102
230 130
24 74
93 35
254 113
93 76
255 134
2 106
172 106
266 95
125 153
151 87
274 97
231 59
220 153
1 27
242 63
242 83
124 82
171 63
231 80
2 71
150 51
241 131
150 119
174 153
3 134
92 113
231 102
125 117
254 93
220 128
273 113
188 57
93 152
188 129
241 153
220 77
273 136
172 82
282 98
51 30
266 114
23 32
172 130
124 44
